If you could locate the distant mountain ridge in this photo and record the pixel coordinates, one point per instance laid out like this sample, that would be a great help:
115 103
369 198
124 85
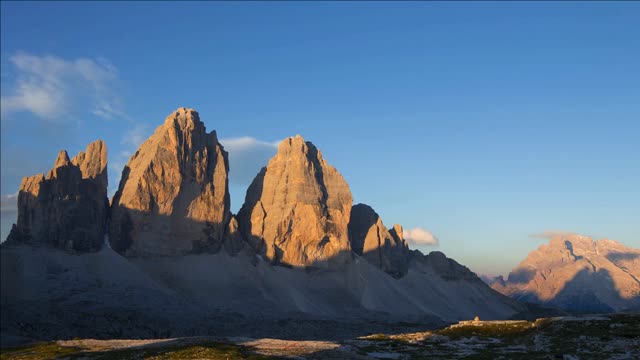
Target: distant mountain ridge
575 273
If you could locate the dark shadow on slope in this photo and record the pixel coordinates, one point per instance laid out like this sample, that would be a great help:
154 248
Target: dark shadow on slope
569 247
63 214
621 256
319 176
82 310
65 316
126 226
521 276
587 292
108 318
362 218
252 197
388 253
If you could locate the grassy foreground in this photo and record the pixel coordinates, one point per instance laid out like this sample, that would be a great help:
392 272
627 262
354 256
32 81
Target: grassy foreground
613 336
199 350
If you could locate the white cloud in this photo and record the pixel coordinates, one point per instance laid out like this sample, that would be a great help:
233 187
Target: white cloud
247 156
420 236
50 87
246 143
8 215
9 203
551 234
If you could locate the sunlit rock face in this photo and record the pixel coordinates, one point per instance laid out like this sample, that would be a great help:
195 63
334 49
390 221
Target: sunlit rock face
381 247
68 207
173 197
575 273
297 209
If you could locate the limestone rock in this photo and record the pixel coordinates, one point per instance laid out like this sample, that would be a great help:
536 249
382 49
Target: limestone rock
67 208
398 234
445 267
233 240
371 240
577 274
173 197
297 209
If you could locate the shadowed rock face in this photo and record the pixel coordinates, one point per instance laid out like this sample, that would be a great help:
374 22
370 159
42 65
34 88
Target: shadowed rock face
67 208
575 273
173 197
371 240
445 267
297 209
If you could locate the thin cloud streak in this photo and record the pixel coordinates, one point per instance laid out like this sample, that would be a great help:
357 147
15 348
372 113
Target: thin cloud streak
550 234
247 156
8 203
50 87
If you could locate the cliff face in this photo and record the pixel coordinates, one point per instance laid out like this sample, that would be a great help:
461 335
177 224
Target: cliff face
173 197
68 207
575 273
371 240
297 209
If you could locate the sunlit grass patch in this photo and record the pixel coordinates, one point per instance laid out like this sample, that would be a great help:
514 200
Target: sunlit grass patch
497 330
204 350
377 337
45 350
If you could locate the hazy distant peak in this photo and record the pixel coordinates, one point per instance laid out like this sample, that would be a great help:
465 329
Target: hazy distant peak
576 273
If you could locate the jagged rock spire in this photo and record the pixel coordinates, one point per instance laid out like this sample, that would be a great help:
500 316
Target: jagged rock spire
68 207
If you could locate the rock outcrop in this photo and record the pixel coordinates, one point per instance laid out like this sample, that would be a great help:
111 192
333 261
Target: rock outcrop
173 197
445 267
297 209
381 247
68 207
577 274
233 240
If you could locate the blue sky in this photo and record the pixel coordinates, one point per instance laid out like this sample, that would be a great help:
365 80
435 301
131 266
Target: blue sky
483 123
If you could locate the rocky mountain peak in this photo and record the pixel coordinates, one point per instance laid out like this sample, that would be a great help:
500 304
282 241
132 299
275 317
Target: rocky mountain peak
62 159
398 234
576 273
173 197
68 208
574 244
184 117
297 209
371 240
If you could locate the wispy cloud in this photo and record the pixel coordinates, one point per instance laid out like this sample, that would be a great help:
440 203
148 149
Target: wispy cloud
50 87
247 156
8 203
8 215
135 136
550 234
420 236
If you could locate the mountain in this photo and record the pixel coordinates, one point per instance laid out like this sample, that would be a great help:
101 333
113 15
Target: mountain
176 262
173 196
578 274
67 208
297 209
373 241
